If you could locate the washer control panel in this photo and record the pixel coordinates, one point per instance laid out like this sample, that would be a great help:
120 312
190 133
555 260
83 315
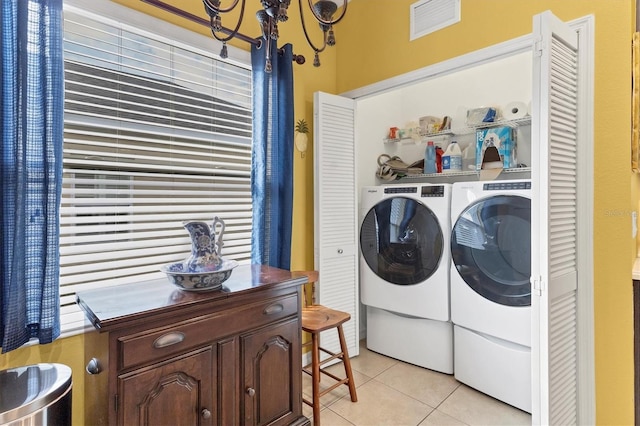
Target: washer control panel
505 186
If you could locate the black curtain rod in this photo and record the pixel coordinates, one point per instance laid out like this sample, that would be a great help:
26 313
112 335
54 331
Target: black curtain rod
299 59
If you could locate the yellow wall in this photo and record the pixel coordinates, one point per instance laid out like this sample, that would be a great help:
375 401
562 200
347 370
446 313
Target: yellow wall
69 351
372 46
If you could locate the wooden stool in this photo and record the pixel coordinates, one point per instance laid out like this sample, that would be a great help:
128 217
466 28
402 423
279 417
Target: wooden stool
316 319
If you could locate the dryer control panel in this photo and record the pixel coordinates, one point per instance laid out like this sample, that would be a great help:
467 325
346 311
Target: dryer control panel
425 191
401 190
432 191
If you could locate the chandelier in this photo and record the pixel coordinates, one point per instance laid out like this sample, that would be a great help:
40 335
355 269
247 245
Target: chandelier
273 12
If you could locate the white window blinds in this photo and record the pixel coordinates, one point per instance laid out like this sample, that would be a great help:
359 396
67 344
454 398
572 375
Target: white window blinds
155 134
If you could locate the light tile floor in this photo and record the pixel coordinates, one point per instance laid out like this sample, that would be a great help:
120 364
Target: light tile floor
392 392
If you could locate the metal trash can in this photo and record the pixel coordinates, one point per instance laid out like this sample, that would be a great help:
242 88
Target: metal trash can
38 394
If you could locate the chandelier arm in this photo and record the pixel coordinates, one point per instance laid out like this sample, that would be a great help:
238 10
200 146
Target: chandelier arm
211 7
306 35
197 19
300 59
233 32
330 22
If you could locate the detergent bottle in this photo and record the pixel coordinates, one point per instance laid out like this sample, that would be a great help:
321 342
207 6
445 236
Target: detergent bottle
430 158
439 153
452 158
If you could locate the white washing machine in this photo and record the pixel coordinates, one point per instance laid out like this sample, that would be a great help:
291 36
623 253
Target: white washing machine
404 272
490 288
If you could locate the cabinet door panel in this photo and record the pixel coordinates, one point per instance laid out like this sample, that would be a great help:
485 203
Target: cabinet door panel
176 392
272 380
228 375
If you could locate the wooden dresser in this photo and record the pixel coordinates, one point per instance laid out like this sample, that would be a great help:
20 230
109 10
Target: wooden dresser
162 356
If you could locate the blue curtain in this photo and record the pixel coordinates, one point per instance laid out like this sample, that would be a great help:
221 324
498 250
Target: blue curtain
32 91
272 163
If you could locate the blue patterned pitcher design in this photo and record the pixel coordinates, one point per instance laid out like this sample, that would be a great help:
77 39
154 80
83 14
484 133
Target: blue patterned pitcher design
206 246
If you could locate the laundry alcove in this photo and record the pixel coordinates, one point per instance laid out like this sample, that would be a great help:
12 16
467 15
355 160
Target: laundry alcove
552 299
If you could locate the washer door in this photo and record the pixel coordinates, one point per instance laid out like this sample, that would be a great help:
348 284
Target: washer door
491 248
401 241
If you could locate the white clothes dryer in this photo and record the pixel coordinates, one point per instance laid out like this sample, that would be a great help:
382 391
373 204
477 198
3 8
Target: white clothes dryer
490 288
404 272
404 245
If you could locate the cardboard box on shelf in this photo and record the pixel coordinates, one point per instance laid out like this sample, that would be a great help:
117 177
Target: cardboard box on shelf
503 138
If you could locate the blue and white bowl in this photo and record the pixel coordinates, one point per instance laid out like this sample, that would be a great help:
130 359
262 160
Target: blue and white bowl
181 277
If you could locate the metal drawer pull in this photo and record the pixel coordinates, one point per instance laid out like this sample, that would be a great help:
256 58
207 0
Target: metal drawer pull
206 414
251 392
273 309
168 339
93 367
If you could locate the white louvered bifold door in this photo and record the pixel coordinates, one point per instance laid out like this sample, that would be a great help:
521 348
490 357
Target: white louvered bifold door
554 219
335 239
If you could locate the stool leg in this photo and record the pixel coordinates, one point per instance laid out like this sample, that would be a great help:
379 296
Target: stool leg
315 368
347 364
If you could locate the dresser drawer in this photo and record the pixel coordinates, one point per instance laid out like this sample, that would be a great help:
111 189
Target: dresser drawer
154 344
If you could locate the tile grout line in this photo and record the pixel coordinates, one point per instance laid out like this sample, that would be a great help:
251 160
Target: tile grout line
397 362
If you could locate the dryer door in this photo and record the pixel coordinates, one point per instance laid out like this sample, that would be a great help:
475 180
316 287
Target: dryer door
491 248
401 240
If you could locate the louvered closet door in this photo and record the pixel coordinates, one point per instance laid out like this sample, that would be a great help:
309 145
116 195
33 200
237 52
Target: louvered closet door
554 207
335 239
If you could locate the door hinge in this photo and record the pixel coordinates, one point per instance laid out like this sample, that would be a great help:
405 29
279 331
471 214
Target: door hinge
115 401
537 47
537 285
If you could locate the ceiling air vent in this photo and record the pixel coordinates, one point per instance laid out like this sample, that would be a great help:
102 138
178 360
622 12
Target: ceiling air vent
428 16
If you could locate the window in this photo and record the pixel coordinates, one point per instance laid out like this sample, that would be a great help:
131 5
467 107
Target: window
156 133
